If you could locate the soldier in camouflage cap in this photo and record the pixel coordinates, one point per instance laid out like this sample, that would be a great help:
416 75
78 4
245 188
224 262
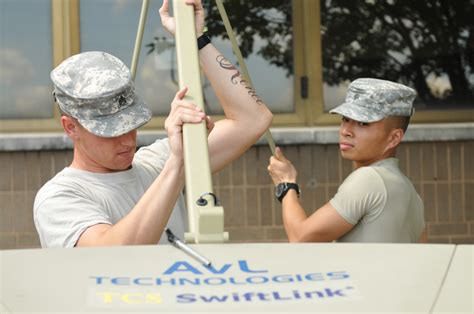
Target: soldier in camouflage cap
370 100
112 193
376 202
96 88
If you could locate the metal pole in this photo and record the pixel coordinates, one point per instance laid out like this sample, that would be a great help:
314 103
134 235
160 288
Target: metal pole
206 218
139 37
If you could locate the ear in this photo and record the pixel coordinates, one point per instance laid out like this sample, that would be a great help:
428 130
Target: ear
394 138
70 127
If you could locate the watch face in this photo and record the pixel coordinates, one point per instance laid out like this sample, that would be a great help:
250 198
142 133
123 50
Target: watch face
280 189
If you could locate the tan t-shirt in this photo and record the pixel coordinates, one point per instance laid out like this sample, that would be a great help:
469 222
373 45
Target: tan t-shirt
381 203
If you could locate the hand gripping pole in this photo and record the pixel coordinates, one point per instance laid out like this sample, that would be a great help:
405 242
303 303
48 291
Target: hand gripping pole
206 218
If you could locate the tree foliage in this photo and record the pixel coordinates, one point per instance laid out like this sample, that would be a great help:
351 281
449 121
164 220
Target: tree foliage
269 21
401 40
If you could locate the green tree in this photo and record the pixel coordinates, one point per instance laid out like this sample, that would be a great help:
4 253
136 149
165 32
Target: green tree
401 40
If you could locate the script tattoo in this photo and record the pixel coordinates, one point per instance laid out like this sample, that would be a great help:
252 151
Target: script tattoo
236 78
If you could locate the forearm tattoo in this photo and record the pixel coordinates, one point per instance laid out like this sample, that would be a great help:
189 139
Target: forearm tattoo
236 78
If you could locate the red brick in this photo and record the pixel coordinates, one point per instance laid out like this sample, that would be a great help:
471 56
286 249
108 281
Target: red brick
18 171
462 240
250 159
263 158
305 164
319 163
445 229
442 161
402 155
33 174
429 201
442 195
455 156
6 172
246 234
266 201
238 169
334 164
457 210
467 157
469 200
7 241
252 206
428 165
414 160
28 241
6 212
347 168
46 166
307 197
444 240
275 234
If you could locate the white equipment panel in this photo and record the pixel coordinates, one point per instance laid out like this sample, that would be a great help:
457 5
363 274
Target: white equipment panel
243 278
457 294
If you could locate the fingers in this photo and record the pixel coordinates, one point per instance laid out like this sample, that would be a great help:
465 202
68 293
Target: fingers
181 93
183 111
279 154
186 115
281 170
197 4
209 124
164 10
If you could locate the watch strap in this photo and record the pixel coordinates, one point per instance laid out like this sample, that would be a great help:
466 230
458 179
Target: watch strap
289 186
202 41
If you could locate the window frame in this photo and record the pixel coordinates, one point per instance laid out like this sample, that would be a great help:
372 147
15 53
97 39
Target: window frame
301 114
64 26
307 52
320 117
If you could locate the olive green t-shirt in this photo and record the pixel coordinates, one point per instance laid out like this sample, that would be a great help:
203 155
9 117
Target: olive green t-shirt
381 203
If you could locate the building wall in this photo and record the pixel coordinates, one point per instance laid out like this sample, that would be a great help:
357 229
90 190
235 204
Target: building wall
442 172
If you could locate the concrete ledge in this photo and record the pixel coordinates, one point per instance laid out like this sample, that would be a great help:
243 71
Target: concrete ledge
282 136
416 133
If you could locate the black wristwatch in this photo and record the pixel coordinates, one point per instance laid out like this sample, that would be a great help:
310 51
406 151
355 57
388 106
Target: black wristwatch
283 188
202 41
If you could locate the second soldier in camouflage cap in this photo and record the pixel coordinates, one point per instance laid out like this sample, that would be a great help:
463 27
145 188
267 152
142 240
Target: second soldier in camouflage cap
96 88
370 100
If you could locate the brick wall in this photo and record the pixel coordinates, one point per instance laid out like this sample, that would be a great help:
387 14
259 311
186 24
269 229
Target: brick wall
443 174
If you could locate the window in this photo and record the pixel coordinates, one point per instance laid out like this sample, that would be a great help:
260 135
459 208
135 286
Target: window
264 29
428 45
301 54
25 59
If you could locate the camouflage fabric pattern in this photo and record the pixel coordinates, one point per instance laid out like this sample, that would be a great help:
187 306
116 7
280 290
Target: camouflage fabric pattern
96 88
370 100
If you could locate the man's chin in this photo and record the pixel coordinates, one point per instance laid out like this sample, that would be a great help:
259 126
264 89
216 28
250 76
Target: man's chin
344 154
122 167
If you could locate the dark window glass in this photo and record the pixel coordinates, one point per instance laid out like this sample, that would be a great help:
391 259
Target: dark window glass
428 45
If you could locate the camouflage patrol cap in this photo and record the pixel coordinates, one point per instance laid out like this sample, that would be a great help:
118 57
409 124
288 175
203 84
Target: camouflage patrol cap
96 88
371 100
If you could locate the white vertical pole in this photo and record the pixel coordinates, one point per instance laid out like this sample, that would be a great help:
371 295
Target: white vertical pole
138 39
206 221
